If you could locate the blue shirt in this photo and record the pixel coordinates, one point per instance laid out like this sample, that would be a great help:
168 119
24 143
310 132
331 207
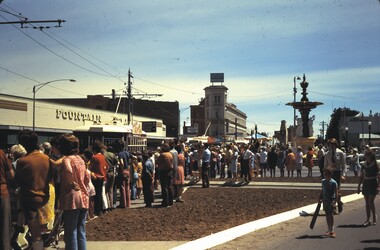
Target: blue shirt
328 189
206 157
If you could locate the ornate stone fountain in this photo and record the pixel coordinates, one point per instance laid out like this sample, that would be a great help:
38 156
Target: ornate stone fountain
304 129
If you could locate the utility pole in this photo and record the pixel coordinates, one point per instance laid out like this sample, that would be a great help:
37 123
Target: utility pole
323 123
129 95
25 21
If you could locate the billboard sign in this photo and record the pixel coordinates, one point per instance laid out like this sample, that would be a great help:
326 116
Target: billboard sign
216 77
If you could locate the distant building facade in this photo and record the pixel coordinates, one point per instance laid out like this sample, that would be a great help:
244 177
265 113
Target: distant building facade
215 117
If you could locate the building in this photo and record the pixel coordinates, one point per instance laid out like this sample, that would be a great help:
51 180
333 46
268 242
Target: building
168 112
360 130
215 117
56 118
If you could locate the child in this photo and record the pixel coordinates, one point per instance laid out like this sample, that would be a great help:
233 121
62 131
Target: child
328 196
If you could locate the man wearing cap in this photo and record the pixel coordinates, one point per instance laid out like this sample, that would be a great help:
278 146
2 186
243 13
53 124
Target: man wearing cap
335 160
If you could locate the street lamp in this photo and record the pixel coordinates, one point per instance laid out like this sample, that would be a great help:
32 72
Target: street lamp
36 88
294 93
346 129
369 133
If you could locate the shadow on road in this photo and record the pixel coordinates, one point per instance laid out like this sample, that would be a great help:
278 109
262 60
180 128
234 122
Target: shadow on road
319 236
371 241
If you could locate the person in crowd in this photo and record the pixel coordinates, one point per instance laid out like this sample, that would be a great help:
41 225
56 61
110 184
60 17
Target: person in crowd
370 179
74 200
134 176
112 162
138 168
354 163
328 197
179 179
255 163
6 175
234 162
56 162
213 163
272 161
156 171
123 177
175 173
263 162
17 151
246 157
206 158
309 161
99 167
223 165
321 159
147 179
335 160
281 156
299 161
165 166
87 155
290 162
33 176
229 155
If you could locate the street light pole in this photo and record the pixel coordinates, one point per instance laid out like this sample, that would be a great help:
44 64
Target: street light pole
38 87
346 141
294 94
369 133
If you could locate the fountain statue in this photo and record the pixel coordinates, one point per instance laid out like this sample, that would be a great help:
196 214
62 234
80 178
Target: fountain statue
304 131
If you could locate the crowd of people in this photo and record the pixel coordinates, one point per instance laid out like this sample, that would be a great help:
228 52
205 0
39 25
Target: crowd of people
39 179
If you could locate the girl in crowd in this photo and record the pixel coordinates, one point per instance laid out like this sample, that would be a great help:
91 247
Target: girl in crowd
369 178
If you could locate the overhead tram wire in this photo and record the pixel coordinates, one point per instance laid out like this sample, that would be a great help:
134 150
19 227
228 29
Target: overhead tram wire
108 73
346 97
162 85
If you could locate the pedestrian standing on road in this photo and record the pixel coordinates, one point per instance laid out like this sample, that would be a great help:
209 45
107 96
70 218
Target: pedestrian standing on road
370 180
234 163
281 155
75 183
309 161
335 160
165 165
272 161
6 175
147 179
321 159
354 163
179 180
328 197
99 167
290 162
33 175
263 162
299 161
123 177
245 160
206 158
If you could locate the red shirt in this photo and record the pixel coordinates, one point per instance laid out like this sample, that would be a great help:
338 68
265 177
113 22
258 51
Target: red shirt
99 166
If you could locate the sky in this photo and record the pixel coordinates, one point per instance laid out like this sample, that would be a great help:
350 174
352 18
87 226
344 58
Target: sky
171 47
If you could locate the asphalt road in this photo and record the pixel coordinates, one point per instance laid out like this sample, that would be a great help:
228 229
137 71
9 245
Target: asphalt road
295 234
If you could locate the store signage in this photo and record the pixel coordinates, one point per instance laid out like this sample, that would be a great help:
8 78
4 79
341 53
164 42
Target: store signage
77 116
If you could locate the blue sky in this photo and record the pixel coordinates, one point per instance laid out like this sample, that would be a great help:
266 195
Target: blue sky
172 47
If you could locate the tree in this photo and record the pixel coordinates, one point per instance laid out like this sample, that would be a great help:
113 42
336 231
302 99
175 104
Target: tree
337 115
